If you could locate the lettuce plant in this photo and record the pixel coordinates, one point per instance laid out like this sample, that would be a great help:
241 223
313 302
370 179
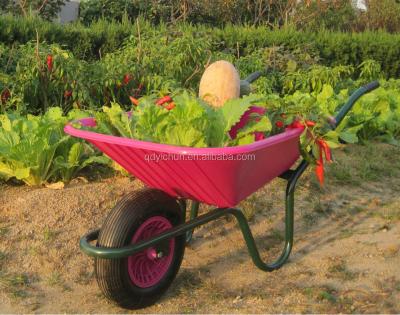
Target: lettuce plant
35 149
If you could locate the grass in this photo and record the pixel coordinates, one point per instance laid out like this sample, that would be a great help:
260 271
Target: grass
359 163
255 204
328 296
389 213
85 277
189 280
3 256
325 293
343 173
346 233
15 284
54 279
4 230
277 235
339 270
336 303
355 210
49 235
319 209
310 218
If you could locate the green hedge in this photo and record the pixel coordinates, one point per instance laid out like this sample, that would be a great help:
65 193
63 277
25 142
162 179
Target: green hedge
102 37
334 48
85 43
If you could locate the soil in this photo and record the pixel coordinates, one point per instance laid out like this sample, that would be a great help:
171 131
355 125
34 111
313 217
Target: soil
346 256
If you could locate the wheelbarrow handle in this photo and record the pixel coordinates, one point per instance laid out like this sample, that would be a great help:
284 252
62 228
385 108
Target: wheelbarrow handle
353 99
254 76
245 88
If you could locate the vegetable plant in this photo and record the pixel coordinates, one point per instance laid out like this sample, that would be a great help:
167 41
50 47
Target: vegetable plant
35 149
189 122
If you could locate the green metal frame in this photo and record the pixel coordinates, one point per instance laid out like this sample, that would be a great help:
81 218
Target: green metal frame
195 221
187 228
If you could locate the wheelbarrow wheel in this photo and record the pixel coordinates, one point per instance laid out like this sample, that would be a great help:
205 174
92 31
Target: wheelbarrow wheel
139 280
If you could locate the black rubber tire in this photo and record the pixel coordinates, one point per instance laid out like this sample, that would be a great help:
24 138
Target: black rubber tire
117 231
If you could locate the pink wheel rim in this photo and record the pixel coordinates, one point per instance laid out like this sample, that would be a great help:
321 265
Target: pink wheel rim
148 267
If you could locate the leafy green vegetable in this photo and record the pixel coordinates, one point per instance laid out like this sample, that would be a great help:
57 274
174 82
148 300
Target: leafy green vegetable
191 122
73 157
35 149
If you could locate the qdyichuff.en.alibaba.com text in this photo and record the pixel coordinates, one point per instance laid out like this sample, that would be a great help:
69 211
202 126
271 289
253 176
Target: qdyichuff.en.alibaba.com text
157 157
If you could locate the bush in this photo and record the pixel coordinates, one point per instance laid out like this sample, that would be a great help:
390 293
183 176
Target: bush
85 43
102 37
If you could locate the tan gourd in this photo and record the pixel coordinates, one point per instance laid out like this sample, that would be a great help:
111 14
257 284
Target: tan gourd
219 83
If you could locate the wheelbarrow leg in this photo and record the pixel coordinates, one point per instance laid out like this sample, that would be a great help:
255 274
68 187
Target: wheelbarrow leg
194 210
291 177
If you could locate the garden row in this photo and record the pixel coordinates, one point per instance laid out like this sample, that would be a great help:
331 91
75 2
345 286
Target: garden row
35 76
35 150
101 37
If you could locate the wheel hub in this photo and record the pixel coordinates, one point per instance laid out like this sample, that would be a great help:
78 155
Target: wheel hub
148 267
154 254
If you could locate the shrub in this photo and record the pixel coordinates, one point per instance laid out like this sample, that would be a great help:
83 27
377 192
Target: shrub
102 37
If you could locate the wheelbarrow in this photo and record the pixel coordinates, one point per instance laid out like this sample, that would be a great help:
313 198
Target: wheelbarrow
140 247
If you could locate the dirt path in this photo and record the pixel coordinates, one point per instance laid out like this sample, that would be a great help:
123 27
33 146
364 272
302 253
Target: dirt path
346 256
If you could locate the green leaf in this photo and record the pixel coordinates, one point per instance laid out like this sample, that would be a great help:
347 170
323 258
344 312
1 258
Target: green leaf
263 125
54 114
326 93
119 119
234 109
247 139
348 137
22 173
331 135
96 159
75 153
5 123
332 144
291 66
5 171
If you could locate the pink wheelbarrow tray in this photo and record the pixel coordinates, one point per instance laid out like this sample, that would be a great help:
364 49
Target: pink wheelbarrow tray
141 244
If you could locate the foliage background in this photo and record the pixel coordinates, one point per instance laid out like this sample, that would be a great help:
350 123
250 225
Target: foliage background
315 53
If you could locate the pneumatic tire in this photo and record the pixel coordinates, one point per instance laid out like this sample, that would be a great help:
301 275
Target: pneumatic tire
140 280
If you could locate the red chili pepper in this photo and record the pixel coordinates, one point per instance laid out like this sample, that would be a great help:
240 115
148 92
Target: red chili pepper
310 123
319 170
5 95
134 101
127 78
49 61
327 150
170 106
279 124
296 124
163 100
67 94
323 150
